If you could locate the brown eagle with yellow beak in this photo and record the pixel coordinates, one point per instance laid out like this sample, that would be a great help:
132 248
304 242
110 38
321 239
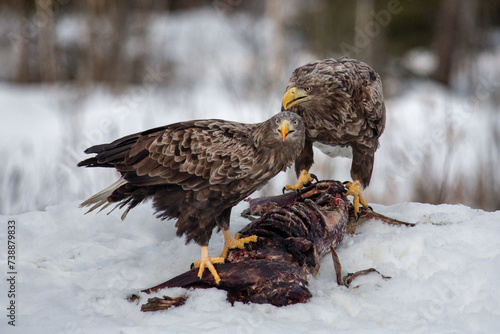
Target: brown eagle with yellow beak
342 105
196 171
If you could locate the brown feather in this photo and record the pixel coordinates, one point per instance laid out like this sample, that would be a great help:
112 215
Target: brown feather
345 108
196 171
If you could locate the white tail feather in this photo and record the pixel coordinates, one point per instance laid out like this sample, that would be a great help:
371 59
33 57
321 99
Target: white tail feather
101 198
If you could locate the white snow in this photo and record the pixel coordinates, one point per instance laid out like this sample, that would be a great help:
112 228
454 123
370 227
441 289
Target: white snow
75 272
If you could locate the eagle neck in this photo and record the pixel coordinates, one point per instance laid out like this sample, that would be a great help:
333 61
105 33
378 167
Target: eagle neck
277 155
331 114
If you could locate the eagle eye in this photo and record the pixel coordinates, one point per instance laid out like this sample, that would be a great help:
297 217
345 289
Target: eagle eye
308 89
295 123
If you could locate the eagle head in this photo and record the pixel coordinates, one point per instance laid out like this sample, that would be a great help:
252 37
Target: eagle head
287 126
311 86
283 134
296 95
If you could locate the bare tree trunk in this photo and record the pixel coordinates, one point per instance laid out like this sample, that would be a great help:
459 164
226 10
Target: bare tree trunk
278 56
98 41
363 18
20 42
119 69
446 39
90 67
142 19
46 44
107 28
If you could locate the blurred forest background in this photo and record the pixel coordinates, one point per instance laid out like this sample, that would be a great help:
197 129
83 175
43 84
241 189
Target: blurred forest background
78 73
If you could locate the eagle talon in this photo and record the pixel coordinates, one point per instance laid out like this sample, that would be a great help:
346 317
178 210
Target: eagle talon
236 243
354 189
305 179
314 177
207 262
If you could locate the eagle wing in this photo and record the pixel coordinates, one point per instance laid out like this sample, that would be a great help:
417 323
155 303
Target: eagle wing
367 92
357 90
193 155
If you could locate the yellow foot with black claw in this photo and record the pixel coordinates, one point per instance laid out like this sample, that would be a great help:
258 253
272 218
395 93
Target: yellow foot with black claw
354 189
235 243
208 262
305 179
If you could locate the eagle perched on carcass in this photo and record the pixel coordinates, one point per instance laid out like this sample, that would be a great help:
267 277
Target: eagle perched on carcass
196 171
342 105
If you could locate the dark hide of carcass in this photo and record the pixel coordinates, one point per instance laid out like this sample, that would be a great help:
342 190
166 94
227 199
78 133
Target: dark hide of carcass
294 232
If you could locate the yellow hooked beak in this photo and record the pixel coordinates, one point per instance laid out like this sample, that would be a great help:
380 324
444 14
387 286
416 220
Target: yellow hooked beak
293 96
285 129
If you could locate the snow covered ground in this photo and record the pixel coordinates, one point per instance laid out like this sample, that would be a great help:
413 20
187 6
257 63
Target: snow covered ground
75 271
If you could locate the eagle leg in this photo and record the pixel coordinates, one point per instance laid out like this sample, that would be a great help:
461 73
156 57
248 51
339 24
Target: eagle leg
208 262
354 189
305 179
235 243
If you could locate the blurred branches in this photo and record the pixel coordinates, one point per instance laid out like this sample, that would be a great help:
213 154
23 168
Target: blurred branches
104 46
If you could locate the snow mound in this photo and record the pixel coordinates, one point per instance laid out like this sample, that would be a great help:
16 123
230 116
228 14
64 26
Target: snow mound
76 271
